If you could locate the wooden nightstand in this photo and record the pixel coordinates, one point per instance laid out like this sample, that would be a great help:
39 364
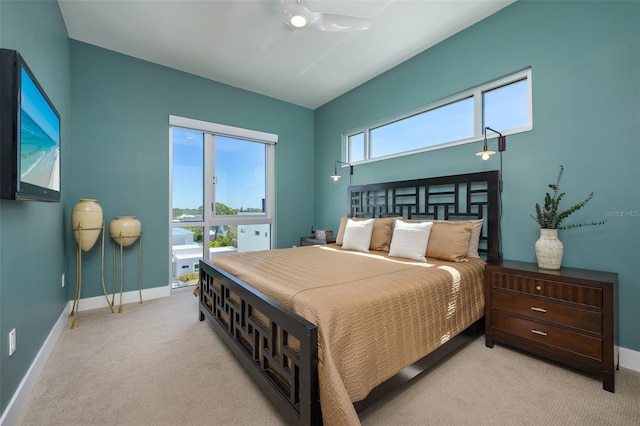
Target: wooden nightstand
309 241
566 315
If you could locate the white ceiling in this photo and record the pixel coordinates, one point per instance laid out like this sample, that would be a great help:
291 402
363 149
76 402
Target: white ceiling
224 40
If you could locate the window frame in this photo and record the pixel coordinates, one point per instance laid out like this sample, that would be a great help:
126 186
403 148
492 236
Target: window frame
211 130
478 119
209 219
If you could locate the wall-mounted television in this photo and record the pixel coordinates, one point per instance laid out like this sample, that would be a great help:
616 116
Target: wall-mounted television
29 134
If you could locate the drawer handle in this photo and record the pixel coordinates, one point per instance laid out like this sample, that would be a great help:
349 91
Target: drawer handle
544 311
540 333
538 288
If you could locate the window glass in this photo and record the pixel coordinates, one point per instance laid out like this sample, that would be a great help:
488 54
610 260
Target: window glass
506 107
356 147
240 176
187 175
439 125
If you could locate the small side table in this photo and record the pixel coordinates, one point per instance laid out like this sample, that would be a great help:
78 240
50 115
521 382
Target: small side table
310 241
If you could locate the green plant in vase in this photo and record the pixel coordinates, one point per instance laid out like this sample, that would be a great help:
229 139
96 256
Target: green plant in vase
550 217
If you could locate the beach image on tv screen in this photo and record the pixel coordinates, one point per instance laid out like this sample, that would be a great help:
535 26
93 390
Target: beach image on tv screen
39 138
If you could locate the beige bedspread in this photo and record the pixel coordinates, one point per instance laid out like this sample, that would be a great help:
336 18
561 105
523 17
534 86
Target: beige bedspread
375 314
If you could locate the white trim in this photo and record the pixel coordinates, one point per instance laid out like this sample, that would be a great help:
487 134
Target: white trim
99 302
14 409
629 359
223 129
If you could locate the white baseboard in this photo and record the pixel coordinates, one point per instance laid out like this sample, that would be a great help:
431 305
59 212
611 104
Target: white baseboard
128 297
629 359
12 414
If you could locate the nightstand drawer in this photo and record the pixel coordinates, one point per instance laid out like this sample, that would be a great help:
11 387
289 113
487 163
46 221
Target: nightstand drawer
540 308
549 335
579 294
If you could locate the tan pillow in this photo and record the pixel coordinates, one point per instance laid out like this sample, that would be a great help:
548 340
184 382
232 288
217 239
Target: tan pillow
474 241
449 240
380 237
341 228
382 233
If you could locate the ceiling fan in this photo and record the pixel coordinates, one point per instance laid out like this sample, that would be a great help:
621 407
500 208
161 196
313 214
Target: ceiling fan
296 16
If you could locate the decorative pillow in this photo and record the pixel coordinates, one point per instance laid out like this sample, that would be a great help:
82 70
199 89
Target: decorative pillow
382 233
380 236
474 241
357 235
343 225
410 240
449 240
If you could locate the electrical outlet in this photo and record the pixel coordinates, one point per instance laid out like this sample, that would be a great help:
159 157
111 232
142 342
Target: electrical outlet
62 280
12 341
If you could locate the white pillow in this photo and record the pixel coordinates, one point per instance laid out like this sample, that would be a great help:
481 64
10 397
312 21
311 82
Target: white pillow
410 240
357 235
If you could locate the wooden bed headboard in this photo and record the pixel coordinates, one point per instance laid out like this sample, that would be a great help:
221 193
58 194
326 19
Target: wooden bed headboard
457 197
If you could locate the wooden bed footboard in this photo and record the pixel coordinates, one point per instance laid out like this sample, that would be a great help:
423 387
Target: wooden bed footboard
278 347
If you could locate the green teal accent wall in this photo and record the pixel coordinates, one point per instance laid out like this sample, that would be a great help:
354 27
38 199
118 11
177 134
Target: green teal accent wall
120 156
32 256
585 59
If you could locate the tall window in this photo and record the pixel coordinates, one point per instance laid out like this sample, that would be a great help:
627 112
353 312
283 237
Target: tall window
222 191
504 105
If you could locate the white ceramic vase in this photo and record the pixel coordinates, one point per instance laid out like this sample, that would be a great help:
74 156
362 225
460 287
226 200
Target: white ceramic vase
549 249
125 230
86 222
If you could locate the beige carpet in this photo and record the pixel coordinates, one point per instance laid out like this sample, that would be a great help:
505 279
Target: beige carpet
156 364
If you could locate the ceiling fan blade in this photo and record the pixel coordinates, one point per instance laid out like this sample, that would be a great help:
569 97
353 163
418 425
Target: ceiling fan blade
341 23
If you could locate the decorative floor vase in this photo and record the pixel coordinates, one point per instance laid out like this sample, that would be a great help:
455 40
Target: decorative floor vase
86 222
549 249
125 230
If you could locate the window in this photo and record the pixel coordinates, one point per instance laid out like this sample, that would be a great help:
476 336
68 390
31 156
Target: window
222 186
504 105
436 126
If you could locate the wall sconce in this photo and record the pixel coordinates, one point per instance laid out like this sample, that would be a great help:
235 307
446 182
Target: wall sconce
335 176
502 144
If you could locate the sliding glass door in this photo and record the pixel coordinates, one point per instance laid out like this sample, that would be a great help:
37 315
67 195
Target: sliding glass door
221 196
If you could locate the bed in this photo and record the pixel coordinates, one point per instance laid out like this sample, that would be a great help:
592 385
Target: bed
324 330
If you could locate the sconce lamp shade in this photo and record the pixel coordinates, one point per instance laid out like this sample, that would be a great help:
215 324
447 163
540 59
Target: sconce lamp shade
486 152
335 176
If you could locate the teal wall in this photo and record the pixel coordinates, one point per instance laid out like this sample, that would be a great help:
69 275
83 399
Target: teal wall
585 59
120 156
32 256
